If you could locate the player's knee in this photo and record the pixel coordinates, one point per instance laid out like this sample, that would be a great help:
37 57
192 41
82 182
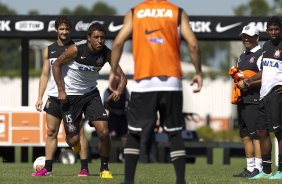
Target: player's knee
73 141
133 141
103 134
177 142
52 133
262 133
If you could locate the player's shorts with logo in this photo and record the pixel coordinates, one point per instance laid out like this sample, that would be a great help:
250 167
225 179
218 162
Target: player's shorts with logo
53 107
143 108
247 119
90 104
270 112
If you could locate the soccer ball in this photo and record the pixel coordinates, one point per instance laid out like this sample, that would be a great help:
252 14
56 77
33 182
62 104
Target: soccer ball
39 163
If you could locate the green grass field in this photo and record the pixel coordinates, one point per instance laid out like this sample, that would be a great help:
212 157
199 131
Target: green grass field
198 173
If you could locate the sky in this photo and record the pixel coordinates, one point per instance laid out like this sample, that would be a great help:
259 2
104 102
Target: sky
192 7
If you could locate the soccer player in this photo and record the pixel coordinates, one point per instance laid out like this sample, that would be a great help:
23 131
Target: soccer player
270 104
247 106
155 27
117 120
78 91
52 107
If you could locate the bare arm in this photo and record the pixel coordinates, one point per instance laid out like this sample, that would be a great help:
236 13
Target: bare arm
117 47
194 49
43 81
121 79
63 59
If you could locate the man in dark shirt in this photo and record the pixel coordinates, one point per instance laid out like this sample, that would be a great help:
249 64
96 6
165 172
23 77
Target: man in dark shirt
247 106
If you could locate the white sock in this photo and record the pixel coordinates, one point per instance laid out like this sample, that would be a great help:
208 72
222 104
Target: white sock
251 164
258 164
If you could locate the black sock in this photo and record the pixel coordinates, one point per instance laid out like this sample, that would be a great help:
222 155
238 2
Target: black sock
131 156
48 165
104 164
179 167
279 163
130 163
178 156
84 164
266 163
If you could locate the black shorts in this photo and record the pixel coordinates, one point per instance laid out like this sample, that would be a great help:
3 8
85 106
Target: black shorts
53 107
143 108
247 116
90 104
117 125
270 112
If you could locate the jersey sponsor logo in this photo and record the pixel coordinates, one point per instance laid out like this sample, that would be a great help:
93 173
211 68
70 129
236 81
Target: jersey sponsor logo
30 25
200 26
151 31
83 67
5 25
161 12
83 26
269 63
53 52
82 57
157 40
114 28
221 29
277 53
89 68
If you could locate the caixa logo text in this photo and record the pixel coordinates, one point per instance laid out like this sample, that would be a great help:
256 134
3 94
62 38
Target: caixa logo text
31 25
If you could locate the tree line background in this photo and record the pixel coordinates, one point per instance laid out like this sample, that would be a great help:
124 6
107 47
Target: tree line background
10 49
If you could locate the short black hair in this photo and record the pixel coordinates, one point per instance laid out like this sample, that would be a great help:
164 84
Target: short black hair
274 21
63 20
96 26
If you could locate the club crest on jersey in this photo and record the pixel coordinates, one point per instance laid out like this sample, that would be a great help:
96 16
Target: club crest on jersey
100 60
277 53
252 60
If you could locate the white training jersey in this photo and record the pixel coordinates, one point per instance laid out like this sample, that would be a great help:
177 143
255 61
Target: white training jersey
272 67
54 51
83 72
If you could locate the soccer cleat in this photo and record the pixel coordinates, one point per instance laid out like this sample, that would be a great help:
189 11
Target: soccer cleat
276 176
254 173
83 172
43 172
76 148
244 174
261 175
106 174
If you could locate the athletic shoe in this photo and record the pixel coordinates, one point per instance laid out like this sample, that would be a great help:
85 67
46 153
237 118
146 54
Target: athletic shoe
76 148
254 173
43 172
276 176
106 175
83 172
244 174
261 175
